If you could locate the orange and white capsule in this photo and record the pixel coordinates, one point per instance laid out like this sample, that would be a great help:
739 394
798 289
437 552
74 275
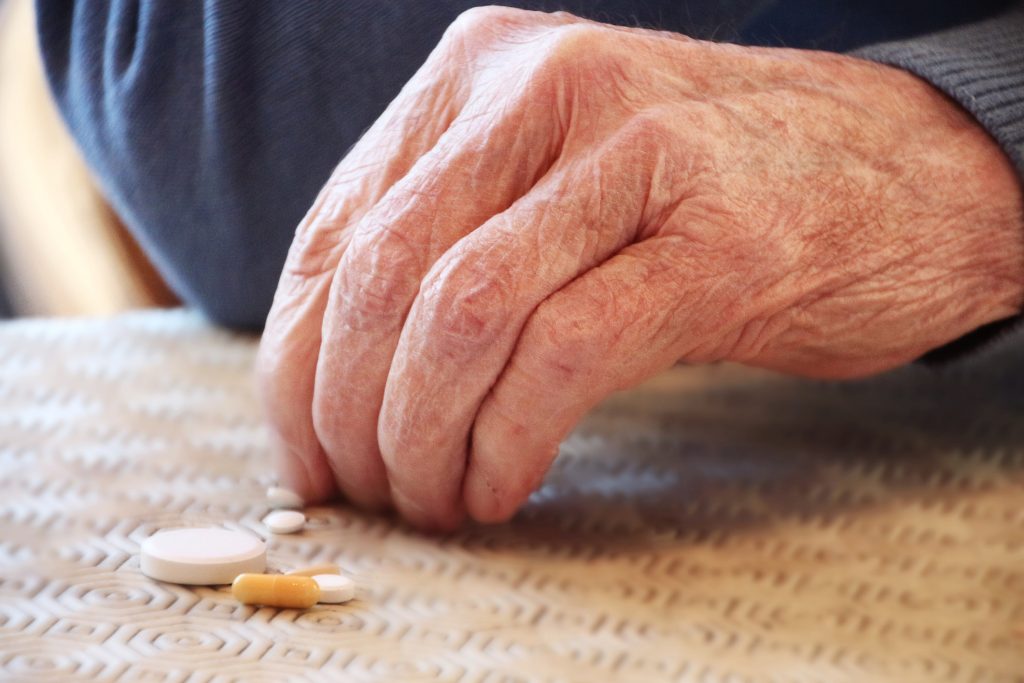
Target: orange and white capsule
276 590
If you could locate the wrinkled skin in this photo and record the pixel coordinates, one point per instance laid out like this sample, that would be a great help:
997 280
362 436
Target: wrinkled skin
554 209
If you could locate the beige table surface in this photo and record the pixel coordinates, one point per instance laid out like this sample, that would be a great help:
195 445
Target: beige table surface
716 525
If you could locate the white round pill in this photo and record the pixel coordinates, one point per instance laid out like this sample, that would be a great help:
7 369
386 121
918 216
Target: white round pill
203 556
335 588
279 497
285 521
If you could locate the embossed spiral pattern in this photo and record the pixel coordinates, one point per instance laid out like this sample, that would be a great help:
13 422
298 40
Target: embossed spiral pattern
716 525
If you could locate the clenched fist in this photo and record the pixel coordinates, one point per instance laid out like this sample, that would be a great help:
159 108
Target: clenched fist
554 209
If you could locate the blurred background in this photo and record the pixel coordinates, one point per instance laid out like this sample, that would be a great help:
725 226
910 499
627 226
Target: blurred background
63 251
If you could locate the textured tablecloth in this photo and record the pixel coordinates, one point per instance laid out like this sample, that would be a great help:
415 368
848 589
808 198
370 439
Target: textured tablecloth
714 525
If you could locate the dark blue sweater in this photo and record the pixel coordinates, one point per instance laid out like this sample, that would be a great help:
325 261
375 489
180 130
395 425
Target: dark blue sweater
212 125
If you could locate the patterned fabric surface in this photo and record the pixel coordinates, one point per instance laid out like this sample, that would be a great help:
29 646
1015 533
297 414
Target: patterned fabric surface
716 525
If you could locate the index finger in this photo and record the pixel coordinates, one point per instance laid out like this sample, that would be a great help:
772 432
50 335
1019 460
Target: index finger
286 365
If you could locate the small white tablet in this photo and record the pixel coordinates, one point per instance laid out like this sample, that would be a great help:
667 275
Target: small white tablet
205 556
285 521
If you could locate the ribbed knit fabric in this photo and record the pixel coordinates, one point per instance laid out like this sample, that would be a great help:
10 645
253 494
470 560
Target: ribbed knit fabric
981 66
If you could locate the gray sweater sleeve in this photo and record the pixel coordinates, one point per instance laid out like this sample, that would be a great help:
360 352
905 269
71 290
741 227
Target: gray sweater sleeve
981 66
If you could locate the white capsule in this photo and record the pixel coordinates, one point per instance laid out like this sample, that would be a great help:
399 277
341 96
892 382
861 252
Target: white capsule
285 521
335 588
279 498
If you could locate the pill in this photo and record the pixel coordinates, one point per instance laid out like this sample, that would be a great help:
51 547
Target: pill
279 497
203 556
335 588
276 590
284 521
313 570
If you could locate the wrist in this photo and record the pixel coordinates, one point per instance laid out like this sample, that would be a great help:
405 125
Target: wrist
989 235
930 236
978 200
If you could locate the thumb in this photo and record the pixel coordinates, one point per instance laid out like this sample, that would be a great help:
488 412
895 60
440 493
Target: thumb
619 324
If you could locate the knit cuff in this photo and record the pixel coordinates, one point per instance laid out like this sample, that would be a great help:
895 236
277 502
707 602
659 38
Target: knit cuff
980 65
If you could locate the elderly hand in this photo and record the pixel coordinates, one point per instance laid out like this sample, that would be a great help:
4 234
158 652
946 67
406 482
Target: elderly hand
554 209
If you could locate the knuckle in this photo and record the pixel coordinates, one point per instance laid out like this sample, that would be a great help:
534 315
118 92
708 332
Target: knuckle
578 40
581 59
367 296
484 19
650 129
466 307
559 346
581 46
376 283
318 240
